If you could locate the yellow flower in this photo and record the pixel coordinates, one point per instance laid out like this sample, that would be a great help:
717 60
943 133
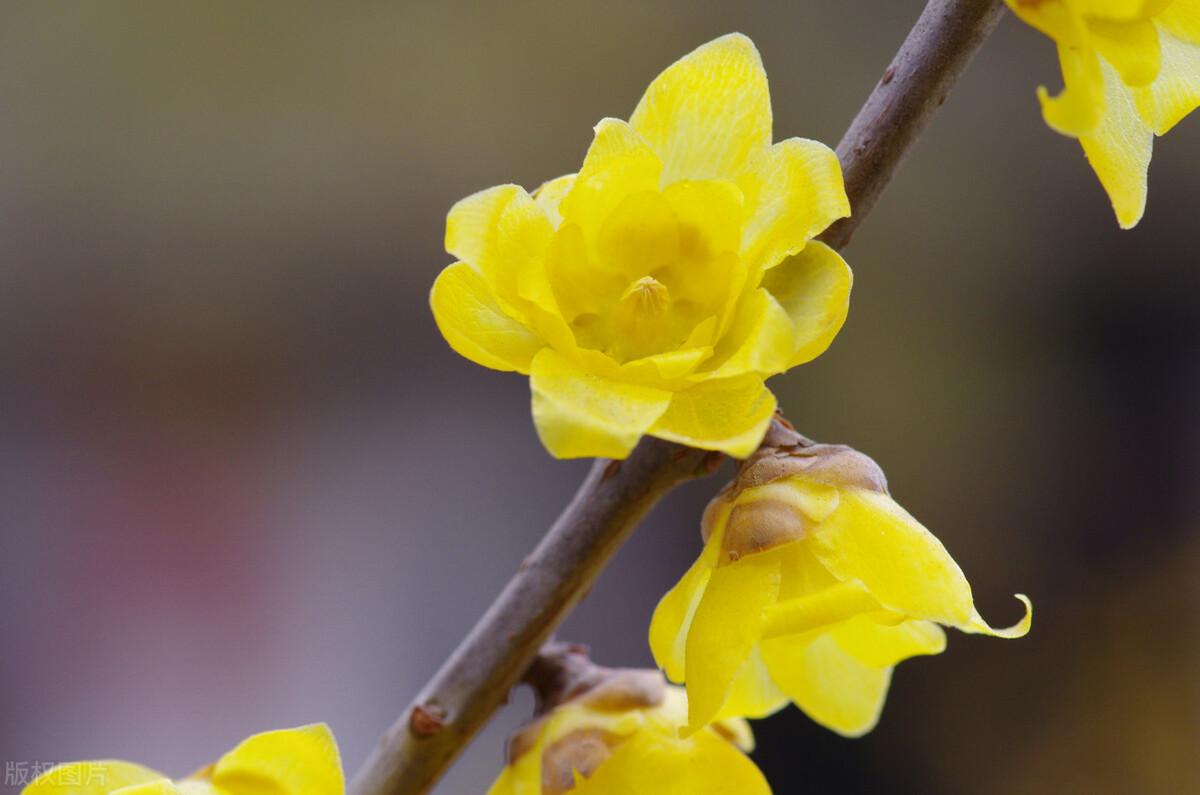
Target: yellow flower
812 585
652 292
301 761
622 738
1131 70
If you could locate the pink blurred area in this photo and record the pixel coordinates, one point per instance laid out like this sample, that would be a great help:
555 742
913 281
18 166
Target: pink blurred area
244 484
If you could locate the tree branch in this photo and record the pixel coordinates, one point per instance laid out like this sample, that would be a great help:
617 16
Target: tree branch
614 497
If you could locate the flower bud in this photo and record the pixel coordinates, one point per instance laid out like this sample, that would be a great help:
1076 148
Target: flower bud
812 585
619 733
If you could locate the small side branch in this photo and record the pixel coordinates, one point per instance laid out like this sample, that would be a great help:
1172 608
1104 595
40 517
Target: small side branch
615 496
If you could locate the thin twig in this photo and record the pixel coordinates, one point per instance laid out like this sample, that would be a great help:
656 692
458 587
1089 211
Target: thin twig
614 497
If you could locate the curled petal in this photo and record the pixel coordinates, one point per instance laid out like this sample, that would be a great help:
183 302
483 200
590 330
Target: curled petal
707 113
673 615
760 340
579 414
1078 109
1020 629
813 287
884 645
476 326
794 190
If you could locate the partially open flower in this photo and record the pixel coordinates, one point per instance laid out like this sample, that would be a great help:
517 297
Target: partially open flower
1131 70
302 761
620 736
812 585
655 290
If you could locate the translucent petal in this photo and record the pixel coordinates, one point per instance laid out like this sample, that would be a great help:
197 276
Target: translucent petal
707 113
498 231
652 764
1176 92
476 326
883 645
725 629
872 540
618 163
92 778
551 194
794 190
828 683
580 414
1131 47
1119 151
813 287
1182 19
302 761
730 415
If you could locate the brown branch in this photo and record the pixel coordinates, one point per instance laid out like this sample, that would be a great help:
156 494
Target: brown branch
913 87
614 497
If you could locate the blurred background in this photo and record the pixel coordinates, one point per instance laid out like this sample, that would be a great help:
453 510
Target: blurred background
244 484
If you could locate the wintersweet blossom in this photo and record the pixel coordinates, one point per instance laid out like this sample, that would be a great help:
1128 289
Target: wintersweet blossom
812 585
1131 70
655 290
302 761
622 738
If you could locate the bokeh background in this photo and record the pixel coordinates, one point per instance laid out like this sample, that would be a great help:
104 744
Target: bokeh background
244 484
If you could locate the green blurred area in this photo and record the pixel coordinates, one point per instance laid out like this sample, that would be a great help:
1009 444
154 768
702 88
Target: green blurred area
247 484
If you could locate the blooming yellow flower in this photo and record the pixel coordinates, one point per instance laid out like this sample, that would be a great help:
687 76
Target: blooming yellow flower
652 292
622 738
301 761
812 585
1131 70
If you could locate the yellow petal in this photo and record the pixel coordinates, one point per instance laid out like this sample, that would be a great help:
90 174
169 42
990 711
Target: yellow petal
977 626
617 164
673 615
1060 21
92 778
813 287
708 112
753 693
725 628
302 761
476 326
819 610
499 231
794 190
1119 151
883 645
652 764
579 414
730 415
1182 19
1078 109
760 340
640 235
1131 47
828 683
550 195
1176 92
872 540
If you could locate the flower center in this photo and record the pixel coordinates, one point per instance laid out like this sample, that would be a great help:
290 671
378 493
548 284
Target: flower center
646 296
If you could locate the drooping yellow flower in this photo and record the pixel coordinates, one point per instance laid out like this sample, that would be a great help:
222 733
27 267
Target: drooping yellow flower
622 738
303 761
652 292
813 584
1131 70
